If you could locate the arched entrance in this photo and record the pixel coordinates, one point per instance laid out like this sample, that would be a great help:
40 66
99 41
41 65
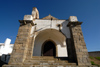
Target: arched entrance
48 49
53 35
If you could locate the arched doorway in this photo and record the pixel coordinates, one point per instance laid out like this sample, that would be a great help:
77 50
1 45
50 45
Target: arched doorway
53 35
49 49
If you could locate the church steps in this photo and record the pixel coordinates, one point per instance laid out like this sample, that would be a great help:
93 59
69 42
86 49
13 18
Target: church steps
46 60
47 57
49 64
49 61
43 57
40 58
42 66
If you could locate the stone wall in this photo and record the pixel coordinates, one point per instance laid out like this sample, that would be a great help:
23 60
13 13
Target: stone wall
81 54
21 44
94 54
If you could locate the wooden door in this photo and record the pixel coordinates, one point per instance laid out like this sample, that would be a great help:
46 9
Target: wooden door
49 49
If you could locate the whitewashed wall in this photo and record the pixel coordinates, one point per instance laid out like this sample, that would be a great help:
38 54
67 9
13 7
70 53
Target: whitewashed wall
6 48
48 29
46 24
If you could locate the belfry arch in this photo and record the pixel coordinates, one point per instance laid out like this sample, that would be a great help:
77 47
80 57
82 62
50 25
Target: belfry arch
52 35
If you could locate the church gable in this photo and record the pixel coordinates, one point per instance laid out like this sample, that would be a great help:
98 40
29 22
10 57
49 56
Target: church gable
49 17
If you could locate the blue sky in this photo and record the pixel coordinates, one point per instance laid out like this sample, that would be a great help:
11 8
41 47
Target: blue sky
87 11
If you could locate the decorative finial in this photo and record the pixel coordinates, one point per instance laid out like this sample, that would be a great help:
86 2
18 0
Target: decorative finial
35 13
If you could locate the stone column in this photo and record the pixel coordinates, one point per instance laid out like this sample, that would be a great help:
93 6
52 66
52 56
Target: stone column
81 53
21 44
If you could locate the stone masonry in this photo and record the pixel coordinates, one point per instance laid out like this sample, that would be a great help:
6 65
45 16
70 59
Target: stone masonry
81 53
21 44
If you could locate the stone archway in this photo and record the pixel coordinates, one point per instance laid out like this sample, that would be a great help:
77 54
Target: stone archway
48 49
54 36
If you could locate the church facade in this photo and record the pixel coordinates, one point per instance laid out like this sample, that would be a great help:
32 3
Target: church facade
49 42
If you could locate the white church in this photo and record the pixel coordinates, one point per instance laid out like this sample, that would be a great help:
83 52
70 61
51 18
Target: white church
49 42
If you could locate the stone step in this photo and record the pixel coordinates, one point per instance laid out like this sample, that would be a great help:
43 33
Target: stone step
46 61
49 63
46 66
43 57
52 61
41 66
50 66
46 58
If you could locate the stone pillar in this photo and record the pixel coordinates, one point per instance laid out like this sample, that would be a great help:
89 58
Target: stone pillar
29 53
21 44
81 53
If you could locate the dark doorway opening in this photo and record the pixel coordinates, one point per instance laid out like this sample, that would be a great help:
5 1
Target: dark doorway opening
49 49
